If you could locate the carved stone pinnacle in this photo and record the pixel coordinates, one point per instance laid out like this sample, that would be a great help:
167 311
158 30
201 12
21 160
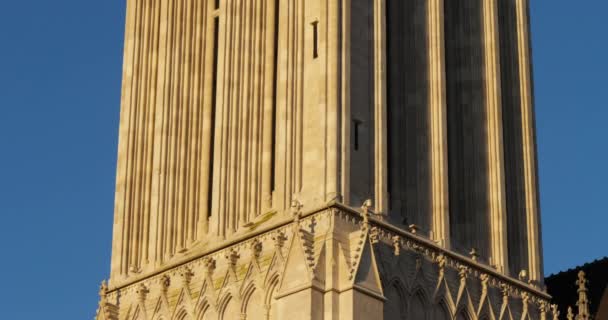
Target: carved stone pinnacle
142 292
296 206
103 289
474 254
256 248
233 257
187 275
165 283
397 245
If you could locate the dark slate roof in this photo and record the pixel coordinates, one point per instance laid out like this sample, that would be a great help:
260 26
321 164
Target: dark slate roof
562 286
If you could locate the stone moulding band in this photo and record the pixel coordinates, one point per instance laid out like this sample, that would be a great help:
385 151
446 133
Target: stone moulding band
220 246
427 244
380 230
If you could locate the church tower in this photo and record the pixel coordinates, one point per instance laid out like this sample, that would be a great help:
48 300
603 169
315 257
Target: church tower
326 159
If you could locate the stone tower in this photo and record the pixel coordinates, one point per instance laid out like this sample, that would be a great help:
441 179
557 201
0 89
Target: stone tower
326 159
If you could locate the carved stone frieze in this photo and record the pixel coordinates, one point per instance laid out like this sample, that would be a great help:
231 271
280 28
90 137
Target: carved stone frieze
415 263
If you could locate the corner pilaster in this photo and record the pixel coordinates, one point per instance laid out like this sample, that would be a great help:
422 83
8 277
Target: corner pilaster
380 105
438 124
494 131
529 143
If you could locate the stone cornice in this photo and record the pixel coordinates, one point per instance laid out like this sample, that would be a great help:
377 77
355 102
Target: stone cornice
427 244
118 284
378 229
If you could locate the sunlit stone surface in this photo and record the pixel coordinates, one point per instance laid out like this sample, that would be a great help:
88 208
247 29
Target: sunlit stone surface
323 159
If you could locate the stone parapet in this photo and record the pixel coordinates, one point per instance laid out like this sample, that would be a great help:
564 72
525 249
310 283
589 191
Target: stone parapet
333 262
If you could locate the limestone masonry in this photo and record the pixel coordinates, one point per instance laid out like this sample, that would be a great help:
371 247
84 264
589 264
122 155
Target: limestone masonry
326 159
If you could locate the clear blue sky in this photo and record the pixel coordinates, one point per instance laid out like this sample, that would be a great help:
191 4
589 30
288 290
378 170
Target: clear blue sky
60 73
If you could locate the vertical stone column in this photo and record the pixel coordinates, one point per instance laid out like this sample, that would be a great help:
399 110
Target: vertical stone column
209 93
495 158
334 51
346 154
380 125
440 225
157 198
290 73
529 142
119 261
219 222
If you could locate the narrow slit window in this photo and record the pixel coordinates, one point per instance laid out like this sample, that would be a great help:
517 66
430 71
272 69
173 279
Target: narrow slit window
216 33
357 126
315 39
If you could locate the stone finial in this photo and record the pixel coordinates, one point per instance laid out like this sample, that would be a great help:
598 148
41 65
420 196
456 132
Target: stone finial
367 204
279 240
256 248
441 262
555 312
544 309
165 283
474 254
570 315
186 275
374 235
365 210
109 310
209 269
232 256
583 300
296 207
414 228
485 279
397 245
142 292
209 264
463 272
103 290
523 275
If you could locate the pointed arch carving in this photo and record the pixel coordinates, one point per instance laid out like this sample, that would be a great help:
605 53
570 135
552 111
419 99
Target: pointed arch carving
229 308
207 300
205 311
418 303
463 314
252 302
272 286
395 307
485 311
248 291
442 310
139 314
227 292
182 314
161 309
